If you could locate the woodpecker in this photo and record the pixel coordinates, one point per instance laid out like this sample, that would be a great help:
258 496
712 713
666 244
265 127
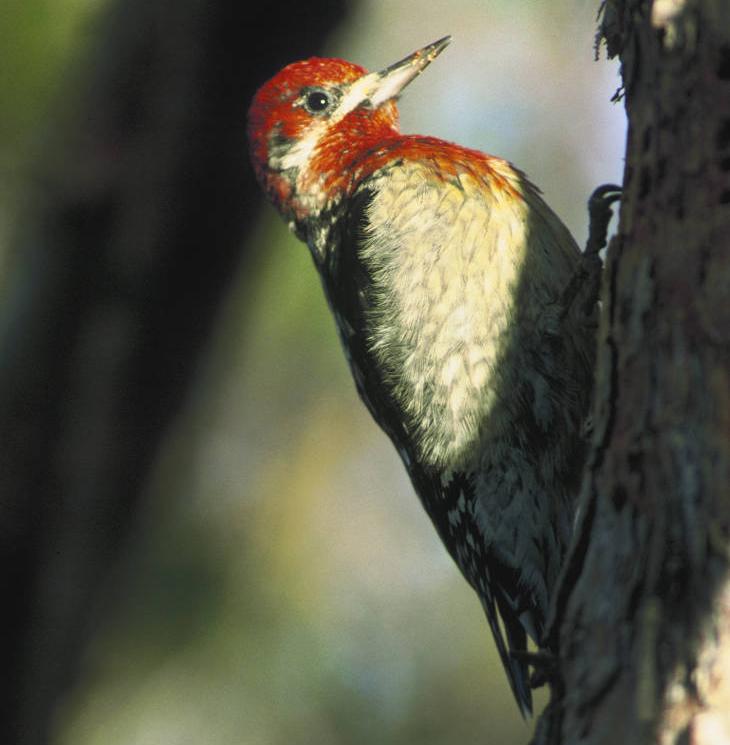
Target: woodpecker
444 270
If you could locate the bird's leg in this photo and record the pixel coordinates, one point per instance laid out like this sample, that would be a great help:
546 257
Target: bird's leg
589 269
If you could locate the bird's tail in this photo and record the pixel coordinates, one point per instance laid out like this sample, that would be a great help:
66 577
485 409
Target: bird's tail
510 636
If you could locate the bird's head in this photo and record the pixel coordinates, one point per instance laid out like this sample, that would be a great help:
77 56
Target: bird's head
310 124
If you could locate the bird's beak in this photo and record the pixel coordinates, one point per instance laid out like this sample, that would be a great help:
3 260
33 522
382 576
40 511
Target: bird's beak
387 84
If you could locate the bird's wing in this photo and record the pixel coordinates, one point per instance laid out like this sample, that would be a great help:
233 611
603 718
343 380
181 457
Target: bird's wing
449 499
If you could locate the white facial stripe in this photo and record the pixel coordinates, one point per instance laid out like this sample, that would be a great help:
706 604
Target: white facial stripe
358 92
302 150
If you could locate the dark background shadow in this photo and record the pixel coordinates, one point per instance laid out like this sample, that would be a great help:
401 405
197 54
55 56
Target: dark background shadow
129 243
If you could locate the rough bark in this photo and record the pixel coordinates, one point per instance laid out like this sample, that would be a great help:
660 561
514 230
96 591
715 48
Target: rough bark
644 627
121 265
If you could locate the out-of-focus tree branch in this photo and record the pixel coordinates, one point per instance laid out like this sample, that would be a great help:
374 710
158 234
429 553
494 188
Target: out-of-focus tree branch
644 634
122 262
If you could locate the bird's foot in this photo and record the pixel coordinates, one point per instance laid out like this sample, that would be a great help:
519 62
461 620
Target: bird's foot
587 276
600 214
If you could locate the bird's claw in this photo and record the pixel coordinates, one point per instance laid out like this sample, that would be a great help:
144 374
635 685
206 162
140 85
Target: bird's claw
600 213
588 271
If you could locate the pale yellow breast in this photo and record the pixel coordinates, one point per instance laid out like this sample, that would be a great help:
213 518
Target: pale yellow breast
445 259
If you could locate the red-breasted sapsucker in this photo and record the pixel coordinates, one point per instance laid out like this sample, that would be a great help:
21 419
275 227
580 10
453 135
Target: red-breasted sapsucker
444 270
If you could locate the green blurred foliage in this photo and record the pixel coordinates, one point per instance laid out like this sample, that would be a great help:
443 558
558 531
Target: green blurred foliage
284 584
37 39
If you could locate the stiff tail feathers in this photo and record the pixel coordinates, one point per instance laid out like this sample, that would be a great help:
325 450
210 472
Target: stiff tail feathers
510 637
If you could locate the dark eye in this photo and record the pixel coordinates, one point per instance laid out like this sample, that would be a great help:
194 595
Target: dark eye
316 101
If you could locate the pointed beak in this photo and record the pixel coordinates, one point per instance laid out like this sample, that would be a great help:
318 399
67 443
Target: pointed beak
387 84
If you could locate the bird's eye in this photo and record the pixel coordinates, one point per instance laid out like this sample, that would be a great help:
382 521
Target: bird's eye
317 101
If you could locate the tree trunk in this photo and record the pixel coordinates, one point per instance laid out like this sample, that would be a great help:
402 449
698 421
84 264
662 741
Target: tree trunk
644 627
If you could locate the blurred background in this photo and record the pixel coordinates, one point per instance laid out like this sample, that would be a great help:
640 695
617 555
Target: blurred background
282 583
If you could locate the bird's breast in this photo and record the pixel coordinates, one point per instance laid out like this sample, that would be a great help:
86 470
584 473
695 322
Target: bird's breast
444 257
